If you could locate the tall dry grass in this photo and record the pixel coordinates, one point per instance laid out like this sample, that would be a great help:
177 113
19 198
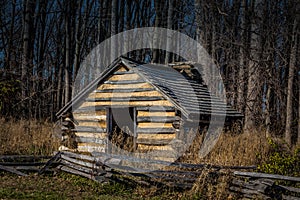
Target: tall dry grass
27 137
231 149
38 138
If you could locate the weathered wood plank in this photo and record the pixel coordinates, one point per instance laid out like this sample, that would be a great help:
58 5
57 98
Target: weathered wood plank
147 114
12 170
128 103
126 99
156 108
116 95
50 162
110 86
14 164
156 130
99 124
76 172
29 158
125 90
78 156
154 125
90 117
124 82
124 77
92 135
154 141
252 185
90 147
158 119
94 171
269 176
170 136
89 111
288 197
89 129
248 192
78 162
145 147
91 140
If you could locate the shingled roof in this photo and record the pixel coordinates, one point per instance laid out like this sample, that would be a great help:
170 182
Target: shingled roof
191 97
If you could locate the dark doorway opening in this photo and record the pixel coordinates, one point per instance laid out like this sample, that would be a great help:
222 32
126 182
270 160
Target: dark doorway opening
122 129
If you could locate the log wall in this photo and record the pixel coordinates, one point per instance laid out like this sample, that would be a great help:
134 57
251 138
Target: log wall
155 115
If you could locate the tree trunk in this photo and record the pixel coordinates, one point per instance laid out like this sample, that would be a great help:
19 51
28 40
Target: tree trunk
10 41
158 16
67 55
113 31
27 55
289 104
254 80
169 26
298 139
242 69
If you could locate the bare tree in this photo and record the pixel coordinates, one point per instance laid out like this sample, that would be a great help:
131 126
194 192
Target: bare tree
290 92
253 99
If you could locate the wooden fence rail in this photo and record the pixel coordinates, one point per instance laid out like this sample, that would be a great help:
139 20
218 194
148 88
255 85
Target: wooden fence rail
107 167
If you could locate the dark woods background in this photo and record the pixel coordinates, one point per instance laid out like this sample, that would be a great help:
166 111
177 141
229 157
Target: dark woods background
255 44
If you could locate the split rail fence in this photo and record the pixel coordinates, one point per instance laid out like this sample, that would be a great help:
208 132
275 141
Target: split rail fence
106 167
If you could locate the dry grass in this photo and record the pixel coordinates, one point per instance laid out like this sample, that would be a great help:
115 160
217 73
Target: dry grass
27 137
232 150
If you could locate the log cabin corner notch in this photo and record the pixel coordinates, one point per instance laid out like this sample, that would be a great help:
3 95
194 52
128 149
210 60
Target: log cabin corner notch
137 107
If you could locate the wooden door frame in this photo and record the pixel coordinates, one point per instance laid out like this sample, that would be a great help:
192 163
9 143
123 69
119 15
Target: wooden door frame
109 127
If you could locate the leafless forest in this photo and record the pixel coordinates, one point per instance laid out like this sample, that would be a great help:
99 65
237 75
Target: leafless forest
254 43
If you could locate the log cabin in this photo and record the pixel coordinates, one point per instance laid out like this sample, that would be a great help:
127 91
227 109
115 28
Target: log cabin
140 107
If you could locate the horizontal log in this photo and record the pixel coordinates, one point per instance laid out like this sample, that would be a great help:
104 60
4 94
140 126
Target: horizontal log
289 197
89 129
128 103
290 189
125 90
155 130
77 167
76 172
126 99
87 164
268 176
139 85
180 165
91 117
12 170
116 95
175 179
252 185
99 124
78 156
91 135
158 113
22 163
32 168
154 125
248 192
91 147
158 119
29 158
158 136
124 82
91 140
124 77
154 141
155 108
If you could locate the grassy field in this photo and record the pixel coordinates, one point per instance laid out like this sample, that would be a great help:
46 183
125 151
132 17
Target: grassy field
40 138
